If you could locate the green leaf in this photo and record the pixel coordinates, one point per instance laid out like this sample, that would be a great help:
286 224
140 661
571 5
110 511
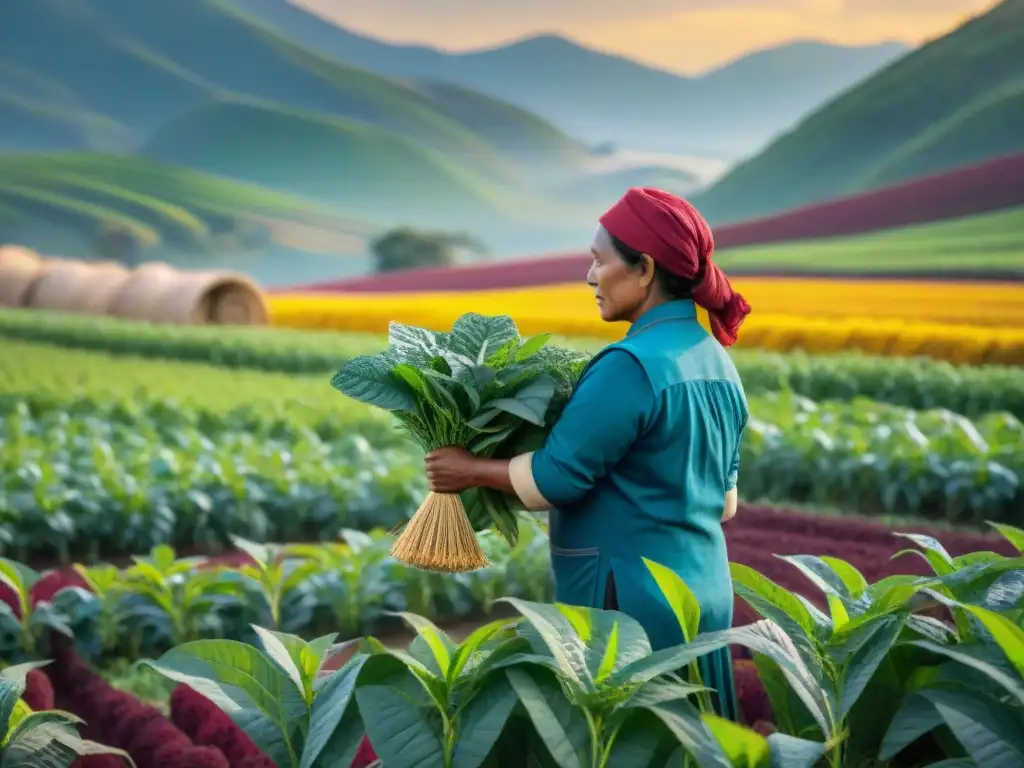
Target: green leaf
934 552
12 686
531 346
775 603
851 577
482 720
791 714
335 727
559 637
368 379
561 725
439 643
683 720
401 720
873 644
639 740
247 685
530 403
792 752
679 596
412 344
1012 534
478 336
274 646
53 745
960 653
1008 636
468 648
990 732
744 747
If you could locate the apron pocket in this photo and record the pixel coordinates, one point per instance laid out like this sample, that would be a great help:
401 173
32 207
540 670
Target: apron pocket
577 576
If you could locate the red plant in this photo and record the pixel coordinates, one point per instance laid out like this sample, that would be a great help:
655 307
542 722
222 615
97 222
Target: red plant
753 699
98 761
206 724
118 719
38 691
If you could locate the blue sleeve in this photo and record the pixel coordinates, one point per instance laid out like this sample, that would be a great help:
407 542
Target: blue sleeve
609 410
734 466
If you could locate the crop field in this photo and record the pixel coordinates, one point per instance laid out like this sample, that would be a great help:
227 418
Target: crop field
959 322
168 486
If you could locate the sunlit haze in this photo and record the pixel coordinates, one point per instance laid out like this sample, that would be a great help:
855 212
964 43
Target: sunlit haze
704 34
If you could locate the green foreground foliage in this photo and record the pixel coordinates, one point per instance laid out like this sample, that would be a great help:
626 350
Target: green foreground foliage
877 680
47 739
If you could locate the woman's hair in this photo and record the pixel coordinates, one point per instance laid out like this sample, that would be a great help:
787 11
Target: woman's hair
671 285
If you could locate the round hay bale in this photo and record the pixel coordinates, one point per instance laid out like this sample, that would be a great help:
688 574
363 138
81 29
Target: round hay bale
16 254
57 287
20 270
213 298
141 292
99 287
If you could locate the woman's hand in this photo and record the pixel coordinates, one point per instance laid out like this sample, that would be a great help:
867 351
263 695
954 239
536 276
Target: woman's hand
451 470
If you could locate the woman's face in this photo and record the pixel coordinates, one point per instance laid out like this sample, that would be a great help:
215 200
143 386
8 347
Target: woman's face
621 291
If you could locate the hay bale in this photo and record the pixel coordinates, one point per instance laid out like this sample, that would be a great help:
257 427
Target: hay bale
20 271
56 288
212 298
98 288
141 292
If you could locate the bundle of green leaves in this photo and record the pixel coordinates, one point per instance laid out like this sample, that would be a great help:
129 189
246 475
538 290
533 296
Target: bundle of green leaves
480 386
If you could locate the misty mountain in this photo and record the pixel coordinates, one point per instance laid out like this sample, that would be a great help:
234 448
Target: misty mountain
730 112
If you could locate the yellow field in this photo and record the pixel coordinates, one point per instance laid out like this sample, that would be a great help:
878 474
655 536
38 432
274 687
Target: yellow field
960 322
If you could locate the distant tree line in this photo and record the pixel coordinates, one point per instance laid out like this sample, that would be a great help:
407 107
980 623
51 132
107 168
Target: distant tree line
407 248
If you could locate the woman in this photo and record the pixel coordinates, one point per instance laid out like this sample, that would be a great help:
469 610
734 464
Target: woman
643 461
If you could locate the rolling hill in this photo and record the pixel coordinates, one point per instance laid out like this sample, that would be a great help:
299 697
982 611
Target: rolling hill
61 203
741 105
355 166
956 100
137 65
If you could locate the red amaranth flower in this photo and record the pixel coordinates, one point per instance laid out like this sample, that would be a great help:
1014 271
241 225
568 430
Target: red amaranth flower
98 761
365 755
189 757
38 691
753 698
207 725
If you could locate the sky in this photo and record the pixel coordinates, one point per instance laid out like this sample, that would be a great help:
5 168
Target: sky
686 36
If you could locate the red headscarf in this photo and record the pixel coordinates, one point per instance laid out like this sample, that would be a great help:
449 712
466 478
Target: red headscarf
675 235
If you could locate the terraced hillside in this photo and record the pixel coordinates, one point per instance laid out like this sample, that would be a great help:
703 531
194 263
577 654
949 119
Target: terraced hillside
78 195
955 101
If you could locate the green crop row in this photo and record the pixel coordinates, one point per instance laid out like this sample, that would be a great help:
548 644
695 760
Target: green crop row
914 383
162 600
109 455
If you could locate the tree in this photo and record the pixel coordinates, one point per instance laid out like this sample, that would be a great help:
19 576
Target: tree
406 248
118 242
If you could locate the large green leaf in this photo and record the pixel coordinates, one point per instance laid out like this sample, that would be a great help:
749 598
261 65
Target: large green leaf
1007 635
559 638
247 685
465 654
12 686
792 752
777 604
679 596
744 747
640 739
530 402
335 727
683 721
963 654
870 648
368 379
479 336
482 720
415 345
561 725
764 637
45 741
991 733
1012 534
441 646
790 713
401 719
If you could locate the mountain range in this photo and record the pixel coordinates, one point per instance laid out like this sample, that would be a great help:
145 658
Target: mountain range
599 97
955 101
